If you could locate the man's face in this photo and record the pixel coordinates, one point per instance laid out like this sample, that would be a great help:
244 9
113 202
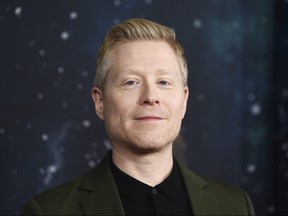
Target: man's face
144 100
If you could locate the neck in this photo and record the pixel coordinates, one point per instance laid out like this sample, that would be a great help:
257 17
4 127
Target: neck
150 169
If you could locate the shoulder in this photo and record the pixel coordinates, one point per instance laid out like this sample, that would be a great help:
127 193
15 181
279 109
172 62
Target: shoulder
208 184
63 196
70 187
231 198
225 191
67 196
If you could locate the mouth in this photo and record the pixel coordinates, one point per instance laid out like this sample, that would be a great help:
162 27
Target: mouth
148 118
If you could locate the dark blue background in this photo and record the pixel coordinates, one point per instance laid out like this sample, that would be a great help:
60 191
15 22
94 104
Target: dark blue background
236 126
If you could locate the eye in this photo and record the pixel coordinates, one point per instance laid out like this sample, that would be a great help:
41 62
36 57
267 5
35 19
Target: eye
130 82
164 82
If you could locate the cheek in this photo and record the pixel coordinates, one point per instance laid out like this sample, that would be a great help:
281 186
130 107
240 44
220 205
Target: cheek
179 108
115 108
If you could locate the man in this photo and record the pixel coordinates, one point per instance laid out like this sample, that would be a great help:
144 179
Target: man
140 93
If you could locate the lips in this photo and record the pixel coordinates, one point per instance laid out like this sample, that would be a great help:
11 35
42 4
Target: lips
147 118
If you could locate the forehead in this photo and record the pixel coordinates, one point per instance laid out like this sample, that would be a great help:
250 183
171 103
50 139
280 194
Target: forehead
142 53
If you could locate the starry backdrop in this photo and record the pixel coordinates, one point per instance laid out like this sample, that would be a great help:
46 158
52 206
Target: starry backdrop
235 129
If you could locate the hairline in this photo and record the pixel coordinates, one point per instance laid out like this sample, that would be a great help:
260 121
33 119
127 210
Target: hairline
109 53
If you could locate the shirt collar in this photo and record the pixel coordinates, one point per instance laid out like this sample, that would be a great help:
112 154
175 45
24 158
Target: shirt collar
136 190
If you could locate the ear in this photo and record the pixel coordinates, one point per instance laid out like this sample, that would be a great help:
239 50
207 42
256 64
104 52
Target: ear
186 95
97 96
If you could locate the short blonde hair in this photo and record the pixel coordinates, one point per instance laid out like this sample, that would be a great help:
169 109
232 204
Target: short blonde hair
131 30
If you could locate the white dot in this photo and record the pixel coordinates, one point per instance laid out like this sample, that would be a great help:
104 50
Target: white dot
91 163
40 96
52 168
42 52
235 24
251 168
94 145
65 104
285 93
117 3
60 70
45 137
18 12
88 156
116 21
65 35
18 67
271 208
86 123
31 42
85 73
28 125
197 23
14 172
41 171
107 144
255 109
201 97
73 15
2 131
285 146
148 2
80 86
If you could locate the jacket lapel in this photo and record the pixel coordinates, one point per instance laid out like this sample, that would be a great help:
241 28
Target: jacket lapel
202 202
104 198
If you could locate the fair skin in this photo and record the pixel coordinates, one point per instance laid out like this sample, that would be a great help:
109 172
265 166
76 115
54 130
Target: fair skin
142 106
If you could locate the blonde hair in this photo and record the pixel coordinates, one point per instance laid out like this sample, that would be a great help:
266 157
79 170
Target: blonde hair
131 30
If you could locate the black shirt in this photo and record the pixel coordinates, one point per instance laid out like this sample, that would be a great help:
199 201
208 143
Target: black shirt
167 198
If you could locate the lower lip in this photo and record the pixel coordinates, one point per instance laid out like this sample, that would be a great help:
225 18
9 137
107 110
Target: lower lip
148 118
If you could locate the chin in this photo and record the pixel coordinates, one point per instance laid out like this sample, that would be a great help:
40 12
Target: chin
144 150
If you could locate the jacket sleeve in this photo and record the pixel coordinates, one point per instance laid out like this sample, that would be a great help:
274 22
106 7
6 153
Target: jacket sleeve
31 207
250 208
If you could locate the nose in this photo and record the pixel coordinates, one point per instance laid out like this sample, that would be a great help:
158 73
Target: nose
149 95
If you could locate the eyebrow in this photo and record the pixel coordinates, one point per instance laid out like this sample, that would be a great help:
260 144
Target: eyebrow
136 71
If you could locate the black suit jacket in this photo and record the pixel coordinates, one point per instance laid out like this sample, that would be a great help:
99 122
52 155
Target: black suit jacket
95 193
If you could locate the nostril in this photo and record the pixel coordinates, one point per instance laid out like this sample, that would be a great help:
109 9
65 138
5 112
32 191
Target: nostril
150 102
